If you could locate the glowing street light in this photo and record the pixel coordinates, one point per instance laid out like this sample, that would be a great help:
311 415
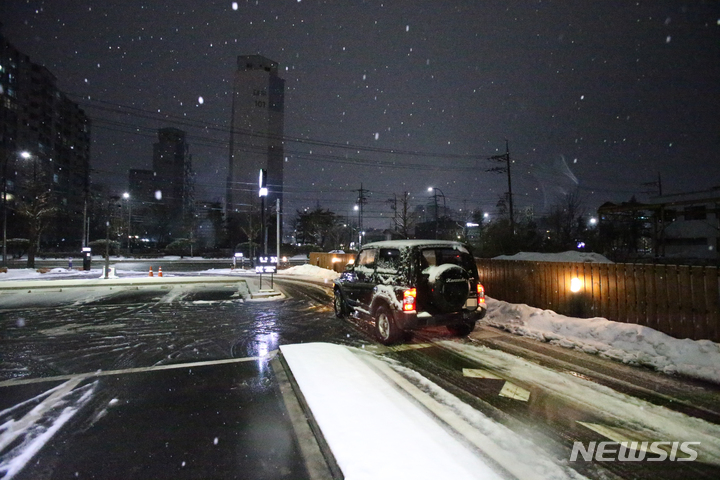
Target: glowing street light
126 196
25 155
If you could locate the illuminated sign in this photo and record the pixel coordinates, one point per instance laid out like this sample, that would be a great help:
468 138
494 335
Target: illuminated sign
266 264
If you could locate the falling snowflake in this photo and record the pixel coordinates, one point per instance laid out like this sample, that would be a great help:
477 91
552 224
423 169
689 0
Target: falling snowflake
377 135
201 100
234 6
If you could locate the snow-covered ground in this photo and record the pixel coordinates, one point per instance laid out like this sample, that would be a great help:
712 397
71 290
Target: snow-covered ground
625 342
376 424
569 256
34 273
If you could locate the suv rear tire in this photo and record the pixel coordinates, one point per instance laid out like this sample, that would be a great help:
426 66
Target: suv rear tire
385 327
341 309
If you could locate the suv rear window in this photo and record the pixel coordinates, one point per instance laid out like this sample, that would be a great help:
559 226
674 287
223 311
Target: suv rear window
432 257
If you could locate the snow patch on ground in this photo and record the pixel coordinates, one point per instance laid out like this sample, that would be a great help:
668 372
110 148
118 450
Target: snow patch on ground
26 427
311 271
625 342
569 256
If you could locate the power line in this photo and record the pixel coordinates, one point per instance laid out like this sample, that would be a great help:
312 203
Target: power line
185 121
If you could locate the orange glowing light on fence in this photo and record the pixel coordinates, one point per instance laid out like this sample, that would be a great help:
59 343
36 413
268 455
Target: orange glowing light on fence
409 297
480 293
335 260
575 285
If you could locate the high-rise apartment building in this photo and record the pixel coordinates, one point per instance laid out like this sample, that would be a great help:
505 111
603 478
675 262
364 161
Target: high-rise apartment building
44 146
256 140
163 198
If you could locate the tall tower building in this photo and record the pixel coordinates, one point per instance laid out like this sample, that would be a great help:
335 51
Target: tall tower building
256 139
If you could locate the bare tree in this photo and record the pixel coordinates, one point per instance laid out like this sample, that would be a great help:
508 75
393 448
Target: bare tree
404 220
37 208
565 221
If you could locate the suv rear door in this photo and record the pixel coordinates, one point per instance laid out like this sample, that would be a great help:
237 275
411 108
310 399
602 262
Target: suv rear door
359 290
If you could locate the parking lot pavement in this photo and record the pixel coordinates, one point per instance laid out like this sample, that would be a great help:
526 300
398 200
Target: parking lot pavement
224 419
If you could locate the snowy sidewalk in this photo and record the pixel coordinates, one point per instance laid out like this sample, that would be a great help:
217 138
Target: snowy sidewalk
379 425
111 282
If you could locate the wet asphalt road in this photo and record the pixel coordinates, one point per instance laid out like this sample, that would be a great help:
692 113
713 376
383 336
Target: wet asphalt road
213 420
227 420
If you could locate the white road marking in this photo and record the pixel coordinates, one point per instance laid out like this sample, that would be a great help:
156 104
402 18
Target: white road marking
105 373
614 434
479 373
509 389
411 346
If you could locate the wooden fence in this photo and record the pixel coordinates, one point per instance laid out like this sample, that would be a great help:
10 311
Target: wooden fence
681 301
331 261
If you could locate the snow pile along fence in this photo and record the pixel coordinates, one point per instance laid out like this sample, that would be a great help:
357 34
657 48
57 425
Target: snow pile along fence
678 300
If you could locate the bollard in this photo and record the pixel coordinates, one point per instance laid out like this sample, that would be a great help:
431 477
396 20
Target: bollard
159 271
150 274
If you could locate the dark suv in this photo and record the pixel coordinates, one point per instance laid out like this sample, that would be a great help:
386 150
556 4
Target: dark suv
409 284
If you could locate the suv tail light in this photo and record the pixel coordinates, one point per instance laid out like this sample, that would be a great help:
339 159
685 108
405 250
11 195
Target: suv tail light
481 293
409 297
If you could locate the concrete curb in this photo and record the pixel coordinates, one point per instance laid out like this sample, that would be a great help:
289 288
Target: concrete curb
113 282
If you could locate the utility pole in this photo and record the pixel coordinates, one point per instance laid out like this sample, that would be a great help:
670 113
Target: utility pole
362 200
506 158
657 184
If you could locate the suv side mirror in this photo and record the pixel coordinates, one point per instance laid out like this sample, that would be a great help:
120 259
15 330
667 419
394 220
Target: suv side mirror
349 267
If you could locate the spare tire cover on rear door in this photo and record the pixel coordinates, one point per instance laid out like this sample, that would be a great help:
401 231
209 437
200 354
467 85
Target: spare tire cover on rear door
450 287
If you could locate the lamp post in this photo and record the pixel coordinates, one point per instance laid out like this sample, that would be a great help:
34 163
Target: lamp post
126 196
107 247
262 193
24 154
435 195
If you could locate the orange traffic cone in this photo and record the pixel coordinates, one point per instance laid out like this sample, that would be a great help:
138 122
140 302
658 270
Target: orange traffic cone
159 271
150 274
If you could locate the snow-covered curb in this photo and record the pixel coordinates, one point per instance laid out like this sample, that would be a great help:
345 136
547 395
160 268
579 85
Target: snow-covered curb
628 343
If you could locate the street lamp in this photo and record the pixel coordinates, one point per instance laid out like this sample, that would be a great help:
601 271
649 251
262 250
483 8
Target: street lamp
126 196
262 193
24 154
435 195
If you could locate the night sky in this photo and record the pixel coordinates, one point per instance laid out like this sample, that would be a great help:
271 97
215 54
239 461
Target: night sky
403 95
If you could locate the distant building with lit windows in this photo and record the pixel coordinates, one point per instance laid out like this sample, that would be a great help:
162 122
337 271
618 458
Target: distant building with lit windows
36 117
